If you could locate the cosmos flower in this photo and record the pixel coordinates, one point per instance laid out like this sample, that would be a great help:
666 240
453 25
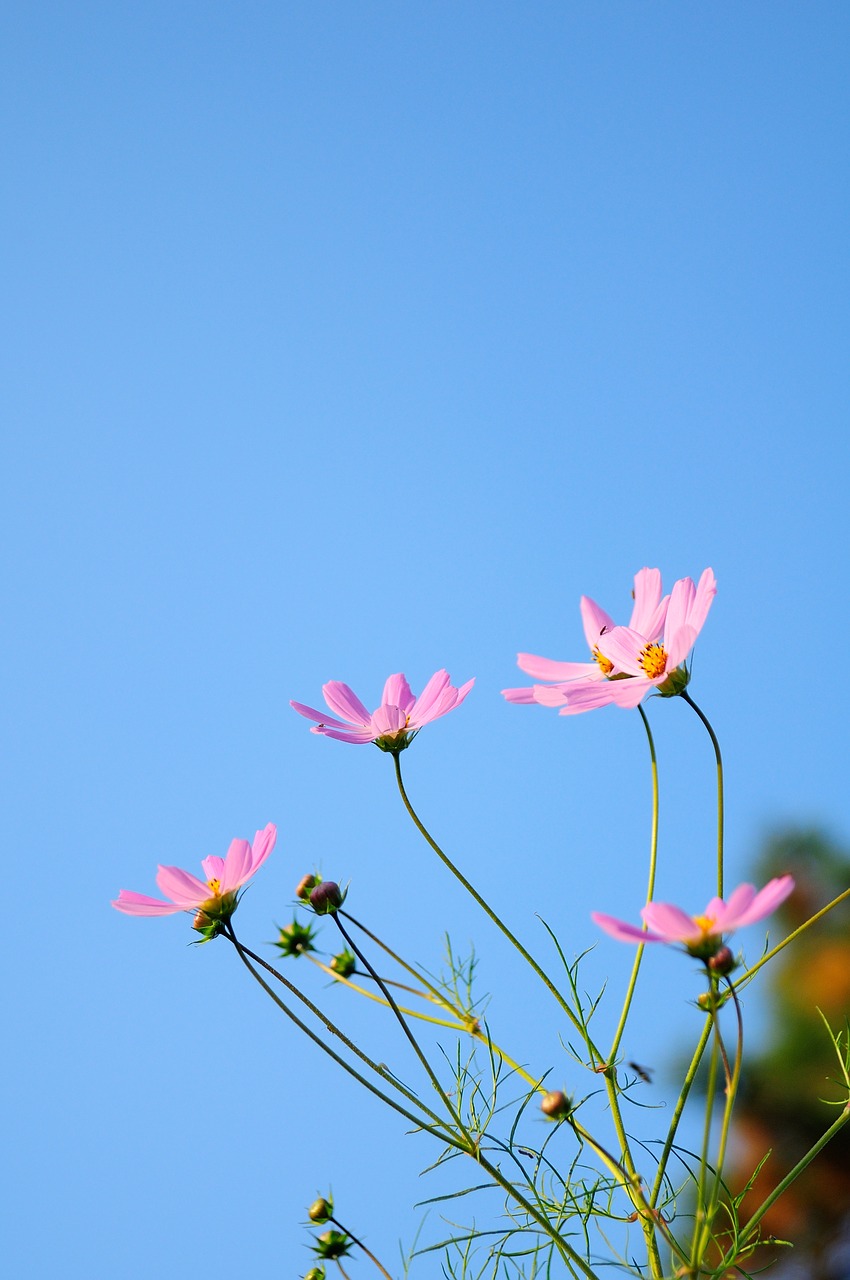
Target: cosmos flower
648 615
398 719
701 935
216 896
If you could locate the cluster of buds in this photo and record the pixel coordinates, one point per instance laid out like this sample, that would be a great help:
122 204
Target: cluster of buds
324 896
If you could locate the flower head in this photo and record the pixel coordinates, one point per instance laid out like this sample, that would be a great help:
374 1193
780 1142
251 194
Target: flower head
701 935
648 614
216 896
397 720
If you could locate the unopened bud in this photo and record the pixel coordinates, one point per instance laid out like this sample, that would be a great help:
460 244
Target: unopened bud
332 1244
305 887
326 898
344 964
320 1210
556 1105
295 939
316 1273
722 962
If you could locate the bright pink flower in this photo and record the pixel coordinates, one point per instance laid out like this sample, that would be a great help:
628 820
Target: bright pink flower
397 720
701 935
216 896
648 615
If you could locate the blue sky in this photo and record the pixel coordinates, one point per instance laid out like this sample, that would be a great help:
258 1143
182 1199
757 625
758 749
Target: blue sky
342 340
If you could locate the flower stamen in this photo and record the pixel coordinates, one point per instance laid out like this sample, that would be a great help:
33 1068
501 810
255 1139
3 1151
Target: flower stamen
653 659
605 666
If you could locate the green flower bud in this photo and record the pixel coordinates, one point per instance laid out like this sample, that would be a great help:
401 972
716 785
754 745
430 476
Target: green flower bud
295 939
316 1273
332 1244
344 964
320 1210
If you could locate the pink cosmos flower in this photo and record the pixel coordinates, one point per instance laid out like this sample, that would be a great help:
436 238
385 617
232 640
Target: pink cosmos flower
701 935
397 720
215 897
648 614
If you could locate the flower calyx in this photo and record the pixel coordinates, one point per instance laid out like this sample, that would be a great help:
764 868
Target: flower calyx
295 939
327 898
332 1244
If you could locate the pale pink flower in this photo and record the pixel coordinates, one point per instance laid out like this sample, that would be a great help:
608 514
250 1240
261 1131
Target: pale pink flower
397 720
701 935
216 896
648 613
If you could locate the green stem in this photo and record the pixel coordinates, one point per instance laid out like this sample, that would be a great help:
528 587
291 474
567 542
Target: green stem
687 698
485 907
436 994
650 889
440 1132
701 1221
360 1245
745 977
782 1187
733 1076
609 1074
414 1043
690 1076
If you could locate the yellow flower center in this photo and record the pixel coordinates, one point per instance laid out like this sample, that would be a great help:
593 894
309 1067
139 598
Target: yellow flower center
605 666
653 659
215 885
705 924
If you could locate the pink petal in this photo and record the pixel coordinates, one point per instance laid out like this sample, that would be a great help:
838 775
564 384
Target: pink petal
213 867
237 866
264 842
182 887
647 600
766 900
138 904
594 620
345 702
726 913
681 599
548 669
587 695
705 593
387 721
524 697
551 695
397 693
623 647
430 696
622 931
321 717
628 693
678 645
359 736
670 922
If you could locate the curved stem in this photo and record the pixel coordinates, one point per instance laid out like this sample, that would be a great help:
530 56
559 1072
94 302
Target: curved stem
687 698
485 907
608 1072
360 1245
437 1132
414 1043
650 889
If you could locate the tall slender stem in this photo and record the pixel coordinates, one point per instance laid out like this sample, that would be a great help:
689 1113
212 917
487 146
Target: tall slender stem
690 1076
650 889
687 698
360 1245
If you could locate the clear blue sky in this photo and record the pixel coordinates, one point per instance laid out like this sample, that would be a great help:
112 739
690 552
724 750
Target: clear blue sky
343 339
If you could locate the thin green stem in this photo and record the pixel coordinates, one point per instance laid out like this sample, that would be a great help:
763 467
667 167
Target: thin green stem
436 994
650 889
701 1221
371 995
360 1245
745 977
454 1112
733 1076
485 907
609 1074
690 1076
687 698
440 1132
782 1187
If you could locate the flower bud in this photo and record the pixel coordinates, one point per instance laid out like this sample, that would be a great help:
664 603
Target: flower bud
316 1273
344 964
305 887
722 962
326 898
295 939
320 1210
332 1244
556 1105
